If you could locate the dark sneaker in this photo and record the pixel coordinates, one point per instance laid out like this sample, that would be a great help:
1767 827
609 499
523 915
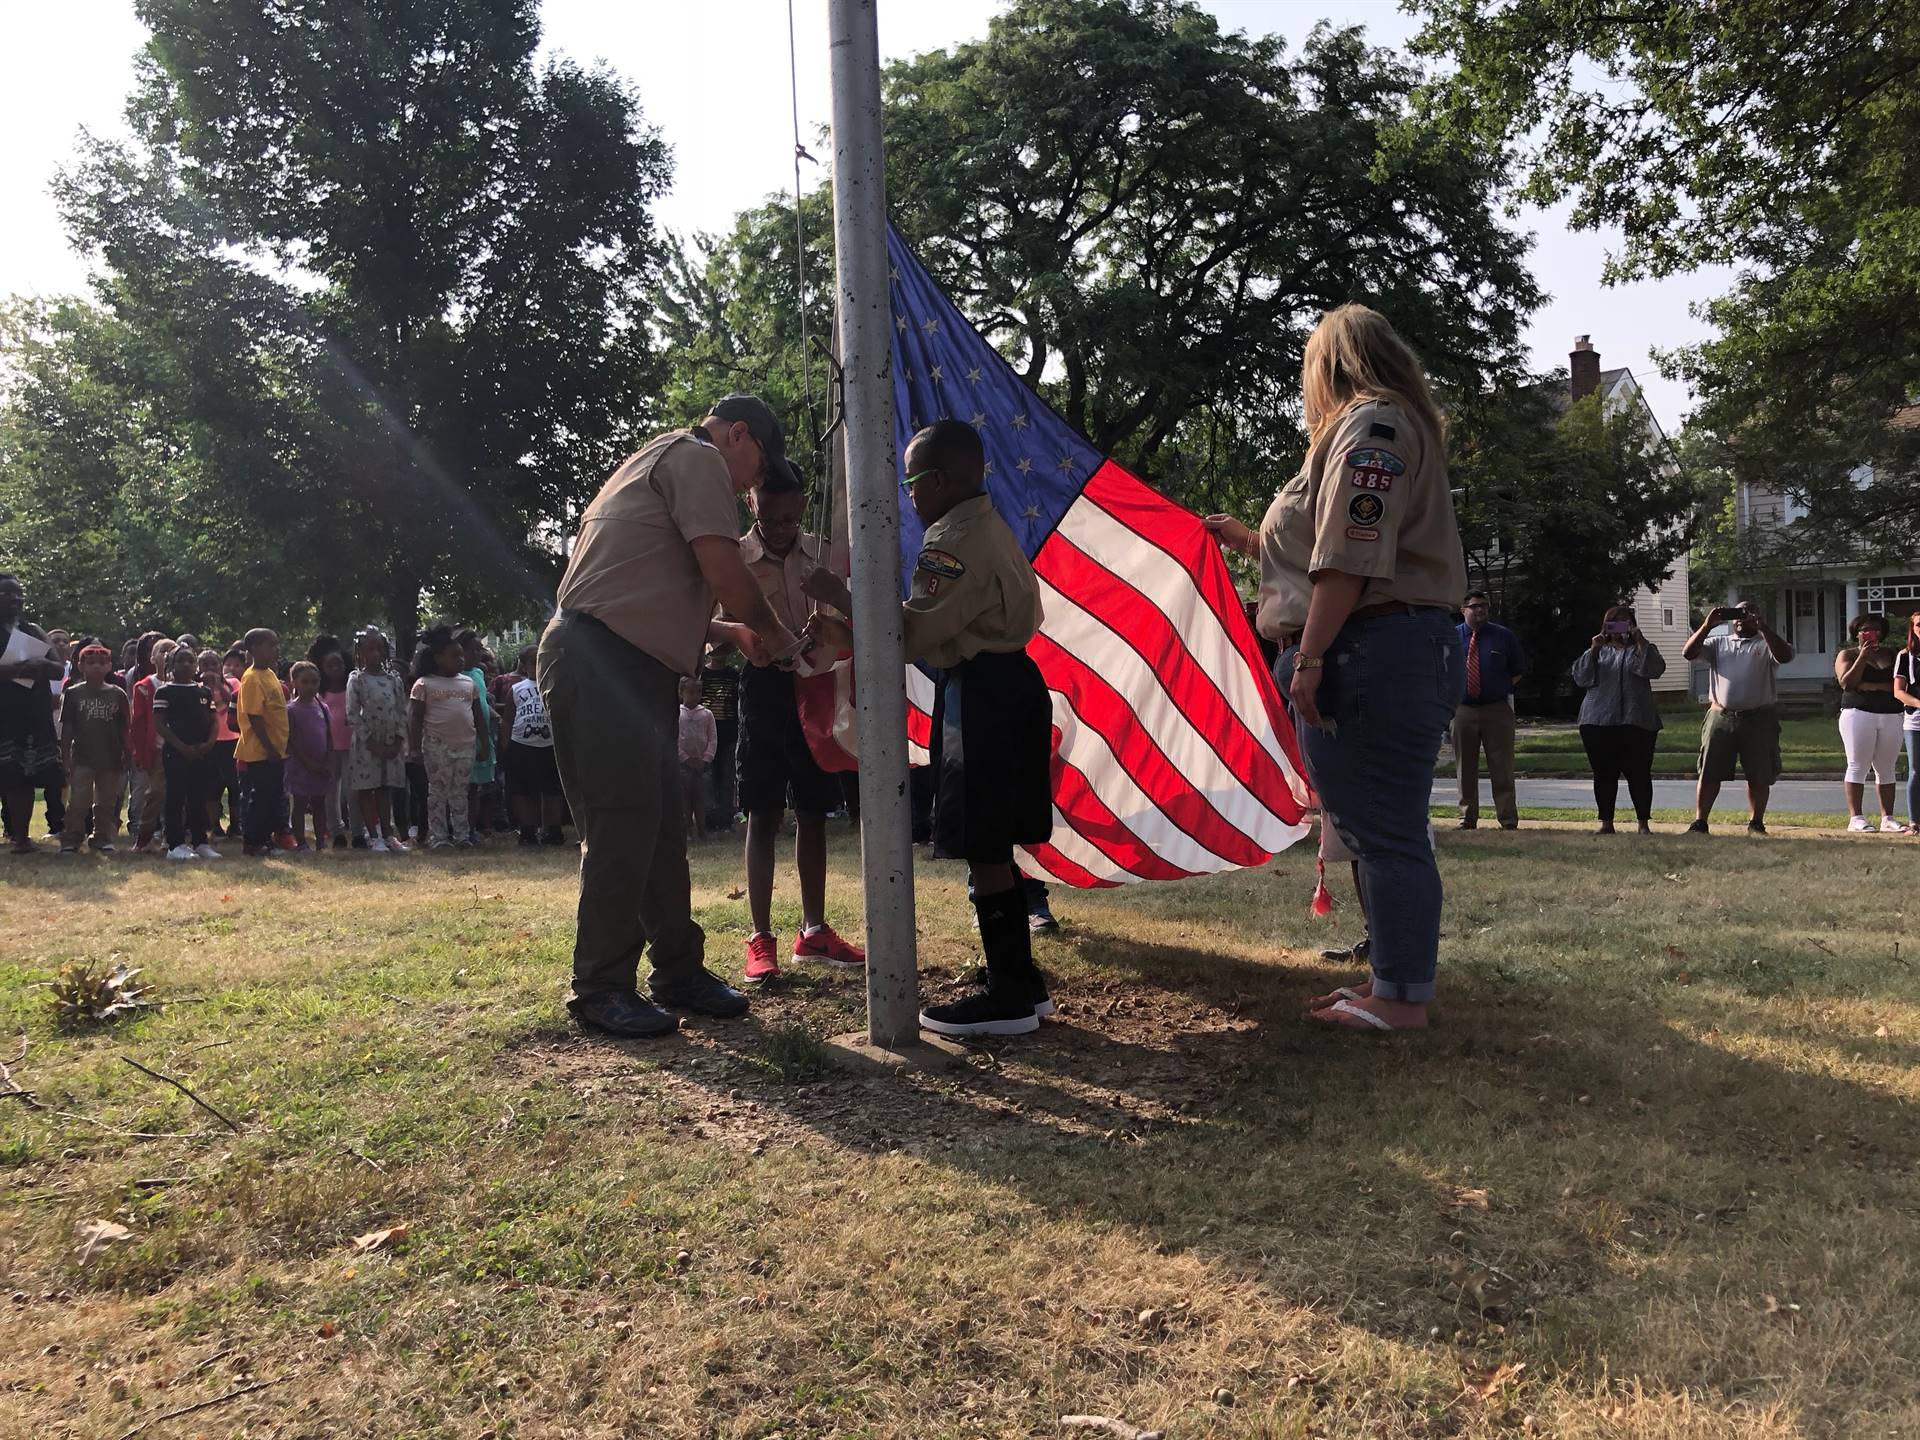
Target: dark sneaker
702 992
1040 919
622 1013
985 1012
976 978
1468 825
1756 827
1698 827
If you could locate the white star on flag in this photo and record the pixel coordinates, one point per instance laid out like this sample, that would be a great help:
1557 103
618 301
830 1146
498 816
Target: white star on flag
973 376
1066 464
1024 466
979 418
1019 422
931 325
937 376
900 323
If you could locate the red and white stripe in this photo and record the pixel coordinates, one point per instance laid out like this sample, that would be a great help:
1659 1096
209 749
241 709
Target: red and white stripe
1173 756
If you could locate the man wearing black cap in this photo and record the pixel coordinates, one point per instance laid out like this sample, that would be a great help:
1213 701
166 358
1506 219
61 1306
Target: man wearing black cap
655 548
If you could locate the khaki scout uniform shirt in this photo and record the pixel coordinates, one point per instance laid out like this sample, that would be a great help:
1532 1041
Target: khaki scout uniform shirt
973 589
780 575
1371 500
633 567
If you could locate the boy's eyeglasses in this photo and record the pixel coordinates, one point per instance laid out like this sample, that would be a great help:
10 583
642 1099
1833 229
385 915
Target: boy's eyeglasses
914 479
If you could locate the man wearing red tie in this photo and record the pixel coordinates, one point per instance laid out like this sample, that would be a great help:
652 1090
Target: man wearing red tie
1485 717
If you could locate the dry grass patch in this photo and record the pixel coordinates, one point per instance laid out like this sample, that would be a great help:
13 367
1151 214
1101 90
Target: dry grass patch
1652 1176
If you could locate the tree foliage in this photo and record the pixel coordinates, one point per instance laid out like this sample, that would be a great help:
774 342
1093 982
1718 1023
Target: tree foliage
1567 509
1774 137
434 255
1148 216
1151 214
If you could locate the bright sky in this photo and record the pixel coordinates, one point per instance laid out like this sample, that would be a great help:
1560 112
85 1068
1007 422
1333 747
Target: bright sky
713 76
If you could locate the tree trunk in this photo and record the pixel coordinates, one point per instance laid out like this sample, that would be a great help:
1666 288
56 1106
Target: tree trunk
403 616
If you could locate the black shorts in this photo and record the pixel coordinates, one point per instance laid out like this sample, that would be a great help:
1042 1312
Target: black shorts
531 771
995 708
774 769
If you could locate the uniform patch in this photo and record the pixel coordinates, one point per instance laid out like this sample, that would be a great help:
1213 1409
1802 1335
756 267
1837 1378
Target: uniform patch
1373 468
1366 509
1361 532
1375 459
1380 432
939 562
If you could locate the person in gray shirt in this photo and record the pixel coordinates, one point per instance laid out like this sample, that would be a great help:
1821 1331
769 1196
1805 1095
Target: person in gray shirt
1742 726
1619 723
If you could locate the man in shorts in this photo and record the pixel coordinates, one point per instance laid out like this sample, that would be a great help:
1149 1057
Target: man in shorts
1742 726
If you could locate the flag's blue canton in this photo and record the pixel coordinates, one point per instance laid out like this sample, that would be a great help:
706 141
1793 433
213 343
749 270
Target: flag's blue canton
1036 463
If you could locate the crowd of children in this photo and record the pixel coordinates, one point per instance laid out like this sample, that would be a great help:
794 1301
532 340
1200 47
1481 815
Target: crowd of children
338 749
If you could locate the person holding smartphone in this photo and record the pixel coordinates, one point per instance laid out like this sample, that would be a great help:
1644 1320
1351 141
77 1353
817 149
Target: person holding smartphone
1870 720
1619 722
1742 726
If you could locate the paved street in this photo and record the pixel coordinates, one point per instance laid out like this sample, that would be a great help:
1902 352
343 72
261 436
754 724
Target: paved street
1813 797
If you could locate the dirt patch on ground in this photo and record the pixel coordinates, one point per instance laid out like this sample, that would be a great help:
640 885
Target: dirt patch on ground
1121 1060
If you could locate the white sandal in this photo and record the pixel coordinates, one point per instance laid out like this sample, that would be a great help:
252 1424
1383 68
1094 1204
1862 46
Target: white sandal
1347 1007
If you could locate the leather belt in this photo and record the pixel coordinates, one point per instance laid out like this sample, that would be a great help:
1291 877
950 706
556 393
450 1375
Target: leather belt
1365 612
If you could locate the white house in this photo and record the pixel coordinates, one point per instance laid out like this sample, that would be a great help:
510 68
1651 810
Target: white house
1810 600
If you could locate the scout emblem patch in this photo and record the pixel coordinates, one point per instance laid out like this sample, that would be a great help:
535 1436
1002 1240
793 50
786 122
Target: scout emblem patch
1366 509
1374 469
939 562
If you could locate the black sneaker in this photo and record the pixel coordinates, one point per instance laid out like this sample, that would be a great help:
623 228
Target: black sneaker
985 1012
360 841
622 1013
702 992
1756 827
1698 827
1043 1006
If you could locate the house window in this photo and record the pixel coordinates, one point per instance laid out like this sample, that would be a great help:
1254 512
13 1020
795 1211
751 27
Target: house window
1667 619
1875 590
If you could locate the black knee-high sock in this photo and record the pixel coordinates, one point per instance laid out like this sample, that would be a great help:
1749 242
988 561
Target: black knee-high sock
1004 936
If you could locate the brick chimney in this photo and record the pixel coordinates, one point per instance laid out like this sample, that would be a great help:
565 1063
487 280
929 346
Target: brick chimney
1584 371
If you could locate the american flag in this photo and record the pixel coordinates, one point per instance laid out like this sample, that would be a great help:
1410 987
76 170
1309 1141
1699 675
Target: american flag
1172 755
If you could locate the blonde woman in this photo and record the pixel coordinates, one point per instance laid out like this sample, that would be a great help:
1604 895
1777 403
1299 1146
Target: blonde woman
1360 565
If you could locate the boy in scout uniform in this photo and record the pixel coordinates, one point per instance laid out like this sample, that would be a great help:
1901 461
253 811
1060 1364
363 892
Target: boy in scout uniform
974 606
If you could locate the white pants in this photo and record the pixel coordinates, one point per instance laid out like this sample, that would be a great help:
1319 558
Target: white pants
1873 743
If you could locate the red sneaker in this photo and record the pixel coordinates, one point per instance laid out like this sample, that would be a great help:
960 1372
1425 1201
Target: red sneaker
284 841
761 966
825 945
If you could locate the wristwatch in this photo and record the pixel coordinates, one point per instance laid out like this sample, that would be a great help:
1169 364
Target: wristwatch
1308 662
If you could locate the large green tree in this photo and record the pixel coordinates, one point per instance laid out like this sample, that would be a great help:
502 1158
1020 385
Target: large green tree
1566 509
1148 216
455 261
1774 137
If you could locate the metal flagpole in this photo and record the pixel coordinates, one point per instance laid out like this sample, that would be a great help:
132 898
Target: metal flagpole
873 516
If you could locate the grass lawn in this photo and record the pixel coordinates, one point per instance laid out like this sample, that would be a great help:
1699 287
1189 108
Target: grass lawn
1809 745
1652 1175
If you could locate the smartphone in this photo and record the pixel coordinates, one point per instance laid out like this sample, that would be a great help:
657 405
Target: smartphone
1619 627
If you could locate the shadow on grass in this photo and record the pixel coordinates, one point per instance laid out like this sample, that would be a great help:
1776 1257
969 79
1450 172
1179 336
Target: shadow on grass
1181 1094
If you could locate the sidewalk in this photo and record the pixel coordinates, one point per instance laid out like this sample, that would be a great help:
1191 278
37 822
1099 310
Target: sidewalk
1810 797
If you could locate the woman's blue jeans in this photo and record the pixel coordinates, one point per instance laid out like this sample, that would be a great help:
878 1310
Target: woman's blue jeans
1387 694
1912 737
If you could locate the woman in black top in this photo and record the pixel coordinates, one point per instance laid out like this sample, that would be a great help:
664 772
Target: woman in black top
29 753
1870 719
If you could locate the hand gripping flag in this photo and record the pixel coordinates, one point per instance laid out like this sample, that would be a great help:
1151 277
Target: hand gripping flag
1172 753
